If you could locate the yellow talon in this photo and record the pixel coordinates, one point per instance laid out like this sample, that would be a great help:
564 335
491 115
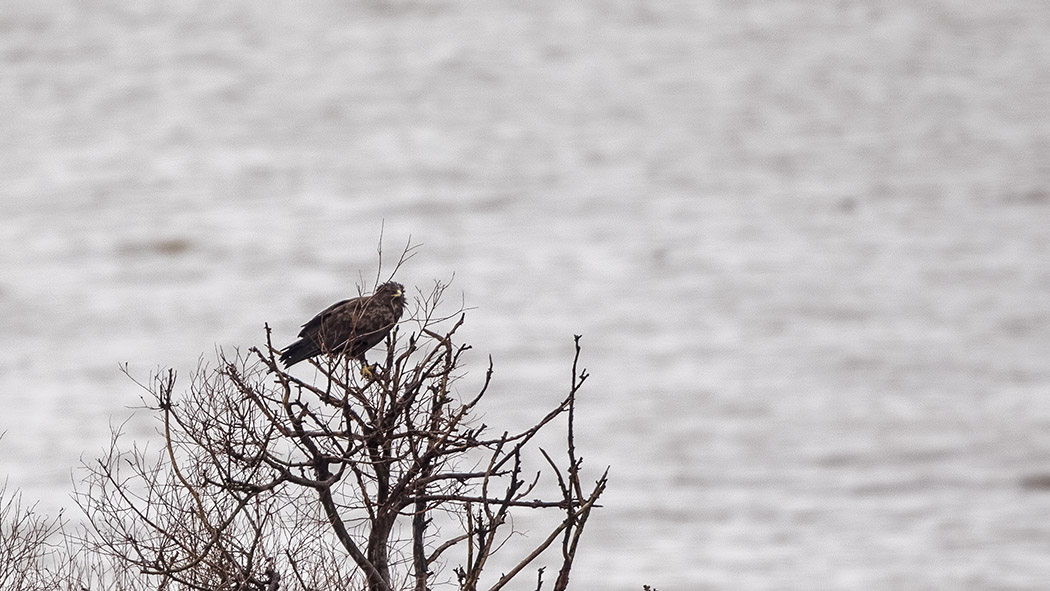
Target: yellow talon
369 372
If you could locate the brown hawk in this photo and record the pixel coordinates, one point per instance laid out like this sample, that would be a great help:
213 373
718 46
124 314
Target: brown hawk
349 327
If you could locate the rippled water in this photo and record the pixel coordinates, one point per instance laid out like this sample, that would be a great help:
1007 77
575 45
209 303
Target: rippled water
807 244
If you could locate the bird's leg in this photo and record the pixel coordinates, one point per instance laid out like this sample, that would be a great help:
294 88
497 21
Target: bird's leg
368 372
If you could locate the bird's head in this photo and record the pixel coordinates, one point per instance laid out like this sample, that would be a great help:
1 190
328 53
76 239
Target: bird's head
392 292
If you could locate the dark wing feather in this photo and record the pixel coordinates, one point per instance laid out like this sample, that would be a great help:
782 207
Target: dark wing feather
314 324
310 343
351 327
371 323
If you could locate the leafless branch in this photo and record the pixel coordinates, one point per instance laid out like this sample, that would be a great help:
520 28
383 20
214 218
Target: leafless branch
265 480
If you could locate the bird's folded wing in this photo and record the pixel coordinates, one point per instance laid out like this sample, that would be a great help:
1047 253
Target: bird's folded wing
314 324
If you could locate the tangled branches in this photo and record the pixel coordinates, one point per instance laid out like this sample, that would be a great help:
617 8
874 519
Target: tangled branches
384 481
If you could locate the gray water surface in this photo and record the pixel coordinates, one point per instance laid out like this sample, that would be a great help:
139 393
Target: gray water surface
807 244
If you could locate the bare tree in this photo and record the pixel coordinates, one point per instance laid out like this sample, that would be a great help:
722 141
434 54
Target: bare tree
384 481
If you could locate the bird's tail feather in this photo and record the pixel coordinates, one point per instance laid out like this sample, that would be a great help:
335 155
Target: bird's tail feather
298 351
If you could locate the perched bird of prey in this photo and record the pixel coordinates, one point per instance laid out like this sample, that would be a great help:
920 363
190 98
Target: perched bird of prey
349 327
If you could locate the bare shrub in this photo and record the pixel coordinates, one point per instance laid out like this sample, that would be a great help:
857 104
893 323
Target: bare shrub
384 481
28 548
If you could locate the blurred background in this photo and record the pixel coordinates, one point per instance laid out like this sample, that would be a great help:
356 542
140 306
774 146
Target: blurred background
807 244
